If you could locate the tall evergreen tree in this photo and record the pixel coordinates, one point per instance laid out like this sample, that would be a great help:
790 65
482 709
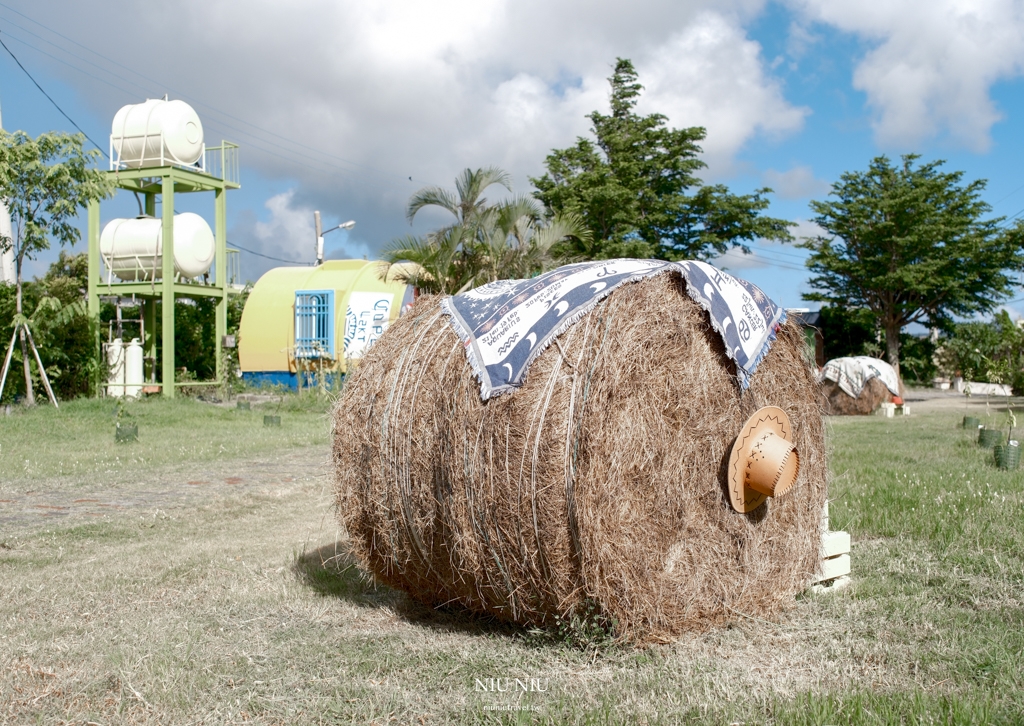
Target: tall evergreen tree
635 186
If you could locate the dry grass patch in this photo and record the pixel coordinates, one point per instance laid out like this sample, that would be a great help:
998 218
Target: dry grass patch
240 606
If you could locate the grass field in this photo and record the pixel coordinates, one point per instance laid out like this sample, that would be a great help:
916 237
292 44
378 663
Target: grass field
198 577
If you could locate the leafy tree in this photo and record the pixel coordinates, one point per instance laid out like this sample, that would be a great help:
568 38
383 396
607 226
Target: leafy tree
516 242
438 263
44 182
486 242
846 331
854 331
636 188
60 327
987 351
909 244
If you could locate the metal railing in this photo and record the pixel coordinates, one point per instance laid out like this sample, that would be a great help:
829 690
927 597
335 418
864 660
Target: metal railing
234 266
222 162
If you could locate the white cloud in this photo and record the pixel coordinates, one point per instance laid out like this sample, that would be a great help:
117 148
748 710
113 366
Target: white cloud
805 228
736 259
711 75
367 95
796 183
289 236
799 40
932 64
289 233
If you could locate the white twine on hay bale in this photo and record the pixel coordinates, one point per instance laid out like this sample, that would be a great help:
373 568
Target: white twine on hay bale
602 481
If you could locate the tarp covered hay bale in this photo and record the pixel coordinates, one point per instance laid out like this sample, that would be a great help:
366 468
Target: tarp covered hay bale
840 403
857 385
602 480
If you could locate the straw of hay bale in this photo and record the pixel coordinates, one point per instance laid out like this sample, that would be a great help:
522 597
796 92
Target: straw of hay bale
600 480
841 403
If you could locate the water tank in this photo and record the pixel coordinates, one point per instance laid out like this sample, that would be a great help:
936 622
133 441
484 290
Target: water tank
157 133
115 364
133 248
133 369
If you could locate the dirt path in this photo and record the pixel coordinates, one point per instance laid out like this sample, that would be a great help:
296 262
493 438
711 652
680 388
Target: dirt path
169 488
930 400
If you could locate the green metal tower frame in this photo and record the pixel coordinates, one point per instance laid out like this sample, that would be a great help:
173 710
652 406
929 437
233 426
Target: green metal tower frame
167 181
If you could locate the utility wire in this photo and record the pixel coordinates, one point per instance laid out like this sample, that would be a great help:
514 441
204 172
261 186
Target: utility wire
51 99
1008 195
1010 219
317 151
253 141
260 254
777 251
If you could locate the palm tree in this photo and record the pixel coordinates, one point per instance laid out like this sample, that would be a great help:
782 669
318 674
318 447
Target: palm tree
440 263
519 243
486 242
467 203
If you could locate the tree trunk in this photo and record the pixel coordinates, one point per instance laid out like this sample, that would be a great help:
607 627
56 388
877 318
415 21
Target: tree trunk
892 349
30 398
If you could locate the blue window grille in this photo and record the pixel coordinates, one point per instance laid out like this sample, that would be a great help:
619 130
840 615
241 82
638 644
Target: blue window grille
314 323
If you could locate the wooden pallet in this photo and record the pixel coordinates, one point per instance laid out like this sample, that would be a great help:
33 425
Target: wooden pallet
835 564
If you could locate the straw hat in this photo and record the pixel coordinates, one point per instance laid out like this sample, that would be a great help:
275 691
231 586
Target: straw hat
763 462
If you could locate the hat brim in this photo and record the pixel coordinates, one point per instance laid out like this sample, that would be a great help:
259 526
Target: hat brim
742 497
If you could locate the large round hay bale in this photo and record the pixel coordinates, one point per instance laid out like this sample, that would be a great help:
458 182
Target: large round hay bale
841 403
601 481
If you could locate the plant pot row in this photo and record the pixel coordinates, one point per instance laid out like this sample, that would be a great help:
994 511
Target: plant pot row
1006 454
126 433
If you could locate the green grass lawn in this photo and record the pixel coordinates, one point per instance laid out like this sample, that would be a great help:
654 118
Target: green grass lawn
243 607
77 441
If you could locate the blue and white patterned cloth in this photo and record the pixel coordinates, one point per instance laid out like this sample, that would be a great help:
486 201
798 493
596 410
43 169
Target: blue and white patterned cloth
505 325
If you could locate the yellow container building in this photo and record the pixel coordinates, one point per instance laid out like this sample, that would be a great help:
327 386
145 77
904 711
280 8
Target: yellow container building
315 319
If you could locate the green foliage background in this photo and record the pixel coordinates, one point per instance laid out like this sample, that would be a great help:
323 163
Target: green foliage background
66 346
854 331
991 352
636 188
911 244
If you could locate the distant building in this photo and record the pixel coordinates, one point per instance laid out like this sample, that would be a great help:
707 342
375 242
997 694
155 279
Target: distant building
300 322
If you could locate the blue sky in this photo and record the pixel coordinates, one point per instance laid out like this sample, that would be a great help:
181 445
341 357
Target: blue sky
336 105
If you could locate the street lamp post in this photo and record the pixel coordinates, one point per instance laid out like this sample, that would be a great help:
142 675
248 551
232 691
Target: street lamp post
320 235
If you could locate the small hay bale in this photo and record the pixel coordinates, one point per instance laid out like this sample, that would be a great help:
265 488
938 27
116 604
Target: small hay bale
841 403
600 481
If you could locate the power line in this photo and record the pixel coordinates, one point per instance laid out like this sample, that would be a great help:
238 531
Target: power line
51 99
260 254
759 254
776 251
254 141
319 152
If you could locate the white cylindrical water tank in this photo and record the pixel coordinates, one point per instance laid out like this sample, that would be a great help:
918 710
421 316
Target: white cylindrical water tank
115 364
157 133
133 369
133 248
